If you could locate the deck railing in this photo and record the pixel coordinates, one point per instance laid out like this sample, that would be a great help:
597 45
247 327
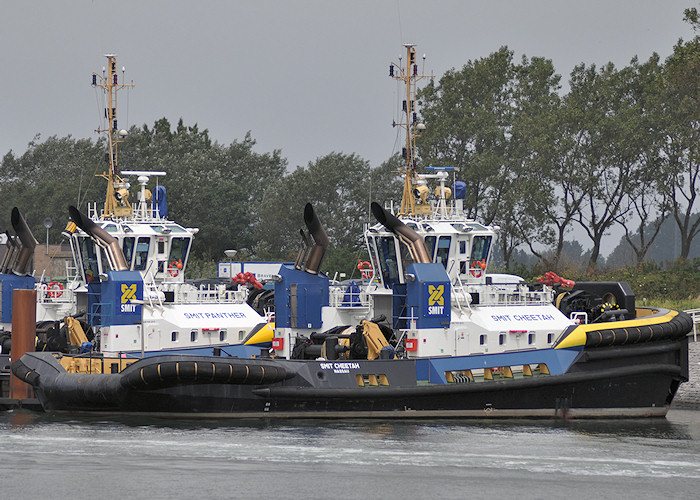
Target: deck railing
695 314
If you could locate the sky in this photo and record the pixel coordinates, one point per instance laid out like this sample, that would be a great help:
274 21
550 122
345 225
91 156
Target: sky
308 77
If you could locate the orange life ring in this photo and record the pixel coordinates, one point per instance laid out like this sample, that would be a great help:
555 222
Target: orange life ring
54 290
174 268
365 269
477 267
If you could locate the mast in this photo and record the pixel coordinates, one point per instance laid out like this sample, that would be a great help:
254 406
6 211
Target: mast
117 197
409 75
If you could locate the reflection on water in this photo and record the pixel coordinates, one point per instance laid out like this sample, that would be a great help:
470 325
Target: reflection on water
353 458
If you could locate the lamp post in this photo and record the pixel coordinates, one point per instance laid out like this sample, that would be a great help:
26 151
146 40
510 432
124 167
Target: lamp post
47 224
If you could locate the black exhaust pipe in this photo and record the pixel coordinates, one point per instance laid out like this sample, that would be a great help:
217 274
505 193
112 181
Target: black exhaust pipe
313 224
24 258
10 253
303 250
414 242
114 251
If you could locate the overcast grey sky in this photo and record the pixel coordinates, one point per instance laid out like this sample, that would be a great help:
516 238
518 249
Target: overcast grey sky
308 77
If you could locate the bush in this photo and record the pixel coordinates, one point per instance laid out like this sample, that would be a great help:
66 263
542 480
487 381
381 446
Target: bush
677 284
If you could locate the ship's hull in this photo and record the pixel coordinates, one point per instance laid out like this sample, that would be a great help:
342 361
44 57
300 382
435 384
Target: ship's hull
617 381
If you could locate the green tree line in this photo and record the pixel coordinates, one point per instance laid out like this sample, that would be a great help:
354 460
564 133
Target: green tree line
237 197
619 148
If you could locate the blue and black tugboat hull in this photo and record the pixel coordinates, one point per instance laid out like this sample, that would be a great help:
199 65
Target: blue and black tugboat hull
613 381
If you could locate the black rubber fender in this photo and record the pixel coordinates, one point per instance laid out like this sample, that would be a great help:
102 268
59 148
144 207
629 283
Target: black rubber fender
169 373
24 373
679 326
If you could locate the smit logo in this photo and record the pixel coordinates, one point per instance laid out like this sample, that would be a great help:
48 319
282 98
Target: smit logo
436 295
128 294
436 301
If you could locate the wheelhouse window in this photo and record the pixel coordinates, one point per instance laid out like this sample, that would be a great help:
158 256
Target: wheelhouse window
141 256
373 254
103 259
88 255
480 248
178 250
128 248
443 250
386 248
406 258
430 243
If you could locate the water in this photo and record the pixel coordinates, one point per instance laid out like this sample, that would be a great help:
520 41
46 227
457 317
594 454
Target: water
57 457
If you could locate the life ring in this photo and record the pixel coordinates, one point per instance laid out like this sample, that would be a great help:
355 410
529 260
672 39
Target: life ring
174 268
477 267
54 290
365 269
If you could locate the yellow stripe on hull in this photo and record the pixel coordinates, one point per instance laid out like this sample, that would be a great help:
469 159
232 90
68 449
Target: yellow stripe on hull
263 336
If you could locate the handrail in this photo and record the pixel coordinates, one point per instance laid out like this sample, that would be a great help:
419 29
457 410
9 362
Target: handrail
695 314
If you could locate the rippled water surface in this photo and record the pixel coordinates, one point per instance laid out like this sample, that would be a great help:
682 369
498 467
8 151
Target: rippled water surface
57 457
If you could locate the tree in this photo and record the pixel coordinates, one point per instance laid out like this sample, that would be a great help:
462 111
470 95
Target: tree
386 185
530 155
213 187
492 120
48 177
645 199
692 16
468 117
598 110
337 186
681 146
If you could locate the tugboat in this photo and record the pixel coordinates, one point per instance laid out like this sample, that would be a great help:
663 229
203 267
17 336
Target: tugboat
128 297
429 334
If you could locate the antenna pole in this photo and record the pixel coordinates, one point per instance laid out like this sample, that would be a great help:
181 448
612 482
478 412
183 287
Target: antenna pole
409 75
116 199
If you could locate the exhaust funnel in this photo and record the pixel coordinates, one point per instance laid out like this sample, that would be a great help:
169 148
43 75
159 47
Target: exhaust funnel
115 255
28 244
318 250
414 242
